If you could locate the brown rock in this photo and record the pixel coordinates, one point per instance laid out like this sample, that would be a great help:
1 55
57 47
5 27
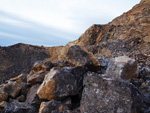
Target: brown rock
62 82
20 78
51 106
12 89
122 67
41 66
80 57
36 78
45 91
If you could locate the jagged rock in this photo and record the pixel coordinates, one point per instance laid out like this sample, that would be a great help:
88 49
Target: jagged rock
53 107
41 66
122 67
20 78
19 107
80 57
62 82
36 78
109 95
32 97
13 89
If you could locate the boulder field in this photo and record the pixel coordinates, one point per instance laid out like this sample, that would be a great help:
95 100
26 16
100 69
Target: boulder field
107 70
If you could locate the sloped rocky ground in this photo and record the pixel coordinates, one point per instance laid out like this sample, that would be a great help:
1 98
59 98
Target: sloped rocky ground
19 58
107 70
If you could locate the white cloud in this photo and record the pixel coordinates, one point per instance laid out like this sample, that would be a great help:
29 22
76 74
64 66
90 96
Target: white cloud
64 16
13 36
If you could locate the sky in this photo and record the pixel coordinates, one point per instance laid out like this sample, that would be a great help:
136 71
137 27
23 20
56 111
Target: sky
54 22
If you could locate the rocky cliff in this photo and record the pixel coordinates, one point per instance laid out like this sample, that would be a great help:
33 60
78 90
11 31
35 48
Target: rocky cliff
107 70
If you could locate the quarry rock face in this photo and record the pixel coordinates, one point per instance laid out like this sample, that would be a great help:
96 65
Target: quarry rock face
107 70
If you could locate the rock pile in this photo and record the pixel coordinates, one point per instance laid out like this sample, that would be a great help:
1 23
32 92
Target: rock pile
107 70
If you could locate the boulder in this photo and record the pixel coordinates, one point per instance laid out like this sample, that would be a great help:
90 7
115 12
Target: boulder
13 89
78 56
20 78
19 107
36 78
122 67
32 97
41 65
62 82
53 106
108 95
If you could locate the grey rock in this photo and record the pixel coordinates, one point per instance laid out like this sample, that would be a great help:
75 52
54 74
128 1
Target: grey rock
32 97
60 83
122 67
109 95
19 107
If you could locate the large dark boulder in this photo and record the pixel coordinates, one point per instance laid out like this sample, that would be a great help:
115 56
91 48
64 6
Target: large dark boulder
79 56
62 82
107 95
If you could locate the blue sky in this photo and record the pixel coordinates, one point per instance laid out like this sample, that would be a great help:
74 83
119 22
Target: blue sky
54 22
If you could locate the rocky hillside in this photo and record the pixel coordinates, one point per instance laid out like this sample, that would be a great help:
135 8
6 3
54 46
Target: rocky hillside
128 34
107 70
19 58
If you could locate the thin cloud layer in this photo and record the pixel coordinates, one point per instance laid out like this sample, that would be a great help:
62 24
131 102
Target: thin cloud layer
54 22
